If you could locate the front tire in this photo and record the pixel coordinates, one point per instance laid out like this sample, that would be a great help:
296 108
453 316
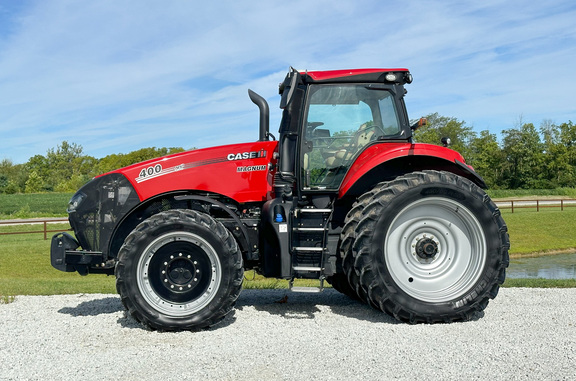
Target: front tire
428 247
179 270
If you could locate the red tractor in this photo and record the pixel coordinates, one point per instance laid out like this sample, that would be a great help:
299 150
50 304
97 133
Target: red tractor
344 195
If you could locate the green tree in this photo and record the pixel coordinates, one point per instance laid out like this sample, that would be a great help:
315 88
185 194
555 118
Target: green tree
3 182
524 158
438 127
487 157
66 167
115 161
15 176
12 187
560 148
34 184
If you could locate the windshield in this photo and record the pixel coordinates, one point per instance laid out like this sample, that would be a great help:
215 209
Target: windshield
341 121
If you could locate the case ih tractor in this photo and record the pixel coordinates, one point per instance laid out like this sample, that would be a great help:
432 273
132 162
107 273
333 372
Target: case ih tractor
344 195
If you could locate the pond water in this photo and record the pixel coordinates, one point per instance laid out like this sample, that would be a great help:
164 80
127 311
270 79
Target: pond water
561 266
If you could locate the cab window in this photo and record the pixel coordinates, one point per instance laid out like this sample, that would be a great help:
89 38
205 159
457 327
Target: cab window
341 120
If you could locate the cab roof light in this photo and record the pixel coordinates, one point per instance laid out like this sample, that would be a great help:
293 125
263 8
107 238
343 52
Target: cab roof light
391 77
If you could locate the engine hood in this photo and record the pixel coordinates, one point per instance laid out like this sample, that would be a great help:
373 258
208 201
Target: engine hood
242 172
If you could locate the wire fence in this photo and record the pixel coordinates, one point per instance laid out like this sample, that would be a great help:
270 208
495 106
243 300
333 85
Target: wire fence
45 224
560 204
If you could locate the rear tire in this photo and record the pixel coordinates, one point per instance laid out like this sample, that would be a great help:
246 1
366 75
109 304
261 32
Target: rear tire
179 270
427 247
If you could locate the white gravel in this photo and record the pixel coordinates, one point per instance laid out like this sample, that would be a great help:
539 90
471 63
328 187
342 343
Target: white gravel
525 334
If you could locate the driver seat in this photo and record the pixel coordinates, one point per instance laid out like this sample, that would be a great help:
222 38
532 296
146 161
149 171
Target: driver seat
363 136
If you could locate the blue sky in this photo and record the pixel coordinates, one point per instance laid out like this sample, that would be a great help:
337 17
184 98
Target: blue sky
118 75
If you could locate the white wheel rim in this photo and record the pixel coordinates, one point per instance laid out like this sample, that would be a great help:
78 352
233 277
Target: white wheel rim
163 304
457 260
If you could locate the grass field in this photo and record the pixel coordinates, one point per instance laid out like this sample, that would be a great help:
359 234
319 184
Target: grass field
536 233
33 205
25 259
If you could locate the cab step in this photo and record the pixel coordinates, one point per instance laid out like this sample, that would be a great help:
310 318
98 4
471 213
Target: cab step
320 287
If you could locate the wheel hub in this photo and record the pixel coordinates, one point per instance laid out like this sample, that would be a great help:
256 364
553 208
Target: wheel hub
180 273
426 248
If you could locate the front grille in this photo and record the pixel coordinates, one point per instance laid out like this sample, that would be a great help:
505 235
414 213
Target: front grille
88 230
108 199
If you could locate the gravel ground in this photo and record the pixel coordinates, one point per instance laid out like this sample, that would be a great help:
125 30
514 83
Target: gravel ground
523 334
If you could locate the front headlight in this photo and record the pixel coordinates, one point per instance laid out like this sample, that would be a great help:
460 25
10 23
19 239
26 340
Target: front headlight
75 201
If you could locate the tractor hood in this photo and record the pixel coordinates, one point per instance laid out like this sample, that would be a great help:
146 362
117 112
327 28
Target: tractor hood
241 172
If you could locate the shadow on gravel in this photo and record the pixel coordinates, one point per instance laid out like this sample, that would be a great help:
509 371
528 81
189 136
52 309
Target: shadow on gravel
108 305
292 305
104 306
284 303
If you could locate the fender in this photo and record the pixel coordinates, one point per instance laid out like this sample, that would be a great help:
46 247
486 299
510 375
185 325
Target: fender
401 157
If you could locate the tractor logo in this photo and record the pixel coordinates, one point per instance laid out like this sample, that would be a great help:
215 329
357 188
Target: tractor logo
246 155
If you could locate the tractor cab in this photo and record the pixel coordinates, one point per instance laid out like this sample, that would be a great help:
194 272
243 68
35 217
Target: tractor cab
331 117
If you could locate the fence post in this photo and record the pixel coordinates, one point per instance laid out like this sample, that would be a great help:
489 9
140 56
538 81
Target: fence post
537 205
45 230
562 205
512 202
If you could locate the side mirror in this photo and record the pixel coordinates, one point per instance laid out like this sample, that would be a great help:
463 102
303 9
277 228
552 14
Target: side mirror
420 123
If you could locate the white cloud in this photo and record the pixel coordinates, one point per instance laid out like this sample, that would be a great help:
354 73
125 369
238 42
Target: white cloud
117 76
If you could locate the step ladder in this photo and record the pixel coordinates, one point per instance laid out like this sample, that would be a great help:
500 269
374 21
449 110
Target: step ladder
308 246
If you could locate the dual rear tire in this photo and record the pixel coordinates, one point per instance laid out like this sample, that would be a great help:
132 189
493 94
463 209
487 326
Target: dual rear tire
426 247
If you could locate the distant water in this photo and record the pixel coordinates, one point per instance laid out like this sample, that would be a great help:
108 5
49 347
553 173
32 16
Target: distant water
561 266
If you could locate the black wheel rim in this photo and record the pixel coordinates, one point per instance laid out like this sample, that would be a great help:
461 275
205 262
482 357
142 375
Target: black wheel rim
179 273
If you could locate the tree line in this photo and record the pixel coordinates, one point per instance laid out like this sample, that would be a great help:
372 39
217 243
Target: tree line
526 157
66 168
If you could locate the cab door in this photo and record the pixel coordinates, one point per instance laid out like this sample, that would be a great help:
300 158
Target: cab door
341 120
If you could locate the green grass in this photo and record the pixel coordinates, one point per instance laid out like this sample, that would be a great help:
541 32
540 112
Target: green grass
540 283
31 205
25 268
533 232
